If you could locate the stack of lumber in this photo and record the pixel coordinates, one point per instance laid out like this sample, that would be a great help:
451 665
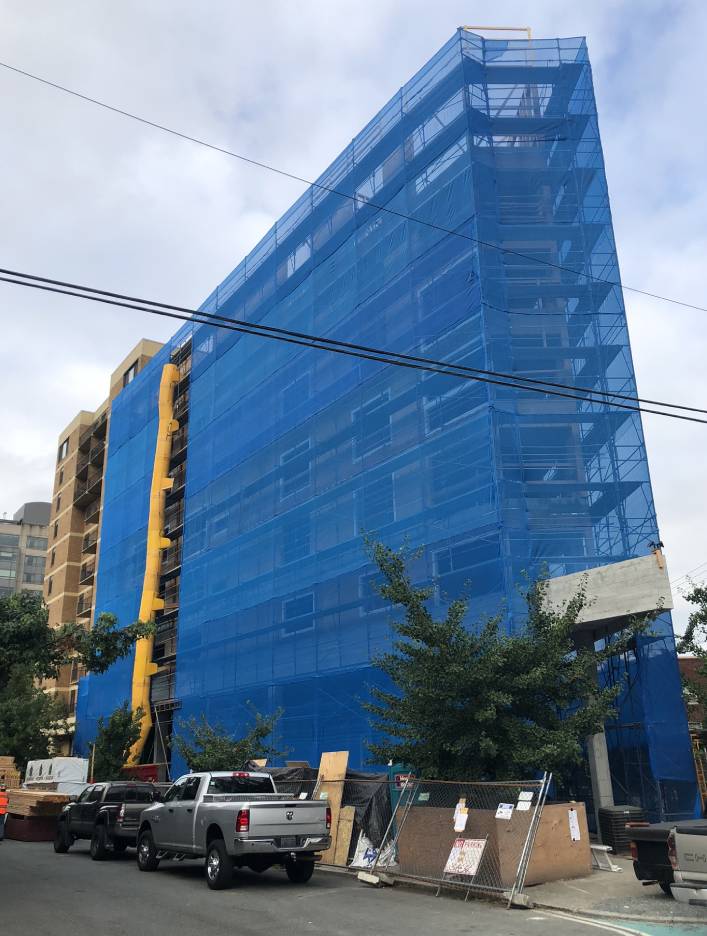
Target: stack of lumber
9 775
35 803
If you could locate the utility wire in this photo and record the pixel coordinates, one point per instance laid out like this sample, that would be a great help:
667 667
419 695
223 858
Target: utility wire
347 344
323 344
333 191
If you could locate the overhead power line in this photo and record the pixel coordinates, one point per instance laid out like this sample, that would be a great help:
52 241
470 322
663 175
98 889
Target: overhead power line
352 197
336 346
476 371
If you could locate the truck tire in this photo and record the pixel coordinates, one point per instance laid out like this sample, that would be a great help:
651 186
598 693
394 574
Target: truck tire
99 844
299 872
62 839
147 859
218 866
119 846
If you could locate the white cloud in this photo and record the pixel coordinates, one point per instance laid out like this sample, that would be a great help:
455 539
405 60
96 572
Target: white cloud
90 196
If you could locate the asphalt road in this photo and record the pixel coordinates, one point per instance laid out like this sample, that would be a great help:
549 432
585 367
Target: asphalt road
70 895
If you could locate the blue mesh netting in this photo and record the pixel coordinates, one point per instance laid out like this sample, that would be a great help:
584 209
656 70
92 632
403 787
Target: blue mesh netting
293 453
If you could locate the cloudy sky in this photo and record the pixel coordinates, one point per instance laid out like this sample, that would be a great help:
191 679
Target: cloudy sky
91 197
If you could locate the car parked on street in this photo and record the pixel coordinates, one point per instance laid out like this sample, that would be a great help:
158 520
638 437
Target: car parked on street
687 849
234 819
108 814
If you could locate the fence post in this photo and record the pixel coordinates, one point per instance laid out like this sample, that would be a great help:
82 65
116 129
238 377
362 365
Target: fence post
530 839
392 821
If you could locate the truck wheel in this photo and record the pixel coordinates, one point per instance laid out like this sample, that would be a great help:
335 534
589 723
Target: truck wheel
119 846
218 866
147 859
62 839
299 872
99 843
665 887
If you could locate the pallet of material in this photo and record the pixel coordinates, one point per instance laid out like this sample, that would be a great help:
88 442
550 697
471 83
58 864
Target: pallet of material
6 761
9 777
31 803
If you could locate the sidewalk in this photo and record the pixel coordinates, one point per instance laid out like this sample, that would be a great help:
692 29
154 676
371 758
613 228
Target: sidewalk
616 895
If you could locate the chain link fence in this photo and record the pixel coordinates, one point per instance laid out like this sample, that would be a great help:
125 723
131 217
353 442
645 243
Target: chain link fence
476 836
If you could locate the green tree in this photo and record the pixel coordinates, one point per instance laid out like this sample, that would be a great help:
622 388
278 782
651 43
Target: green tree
694 642
28 718
481 704
114 739
212 747
31 651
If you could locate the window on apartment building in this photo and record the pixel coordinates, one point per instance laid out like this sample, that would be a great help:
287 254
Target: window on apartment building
372 425
58 503
37 542
34 562
8 556
63 450
298 615
130 374
61 476
33 578
49 585
294 469
9 539
374 505
56 529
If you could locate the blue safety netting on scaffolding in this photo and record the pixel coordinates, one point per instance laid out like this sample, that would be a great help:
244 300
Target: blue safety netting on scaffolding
294 453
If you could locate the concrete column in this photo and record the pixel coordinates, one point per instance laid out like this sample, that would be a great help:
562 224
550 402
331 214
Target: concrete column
599 773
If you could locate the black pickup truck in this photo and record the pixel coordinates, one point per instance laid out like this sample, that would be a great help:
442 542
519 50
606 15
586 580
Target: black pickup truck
106 813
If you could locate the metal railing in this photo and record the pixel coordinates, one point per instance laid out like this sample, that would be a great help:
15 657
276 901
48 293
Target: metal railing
84 605
86 573
89 541
172 557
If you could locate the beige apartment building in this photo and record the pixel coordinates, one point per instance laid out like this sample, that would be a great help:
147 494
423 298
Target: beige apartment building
75 523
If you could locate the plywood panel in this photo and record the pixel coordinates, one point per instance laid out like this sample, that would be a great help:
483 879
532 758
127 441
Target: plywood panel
330 786
555 856
344 832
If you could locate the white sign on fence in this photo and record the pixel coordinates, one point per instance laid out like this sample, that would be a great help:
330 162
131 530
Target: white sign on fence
504 811
465 857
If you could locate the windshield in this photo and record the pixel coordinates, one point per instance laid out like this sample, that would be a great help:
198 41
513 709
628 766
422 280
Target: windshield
240 785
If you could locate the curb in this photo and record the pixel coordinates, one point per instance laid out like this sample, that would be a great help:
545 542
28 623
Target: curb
588 914
609 915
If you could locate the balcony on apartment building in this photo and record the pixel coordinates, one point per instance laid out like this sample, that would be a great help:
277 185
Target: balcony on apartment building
179 474
97 451
165 647
172 557
163 686
181 406
179 446
88 489
174 519
97 429
171 595
84 605
93 512
87 572
89 543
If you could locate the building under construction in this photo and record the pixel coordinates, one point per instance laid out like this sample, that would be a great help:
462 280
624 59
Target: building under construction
468 222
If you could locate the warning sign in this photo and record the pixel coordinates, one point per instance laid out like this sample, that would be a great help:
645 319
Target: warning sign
465 857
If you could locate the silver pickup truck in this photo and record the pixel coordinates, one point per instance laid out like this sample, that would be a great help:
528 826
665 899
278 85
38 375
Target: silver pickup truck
687 850
234 820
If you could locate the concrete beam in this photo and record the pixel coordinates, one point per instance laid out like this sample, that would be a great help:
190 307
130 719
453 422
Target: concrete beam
615 592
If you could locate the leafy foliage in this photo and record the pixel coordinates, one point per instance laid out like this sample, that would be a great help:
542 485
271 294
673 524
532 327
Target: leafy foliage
113 742
481 704
213 748
31 651
694 641
28 716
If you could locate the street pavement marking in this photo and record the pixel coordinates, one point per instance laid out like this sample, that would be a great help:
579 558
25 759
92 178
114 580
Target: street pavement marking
607 926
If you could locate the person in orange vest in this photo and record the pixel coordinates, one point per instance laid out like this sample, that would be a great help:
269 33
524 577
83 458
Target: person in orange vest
3 811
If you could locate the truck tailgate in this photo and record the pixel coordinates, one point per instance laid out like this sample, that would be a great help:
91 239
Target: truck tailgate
295 817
